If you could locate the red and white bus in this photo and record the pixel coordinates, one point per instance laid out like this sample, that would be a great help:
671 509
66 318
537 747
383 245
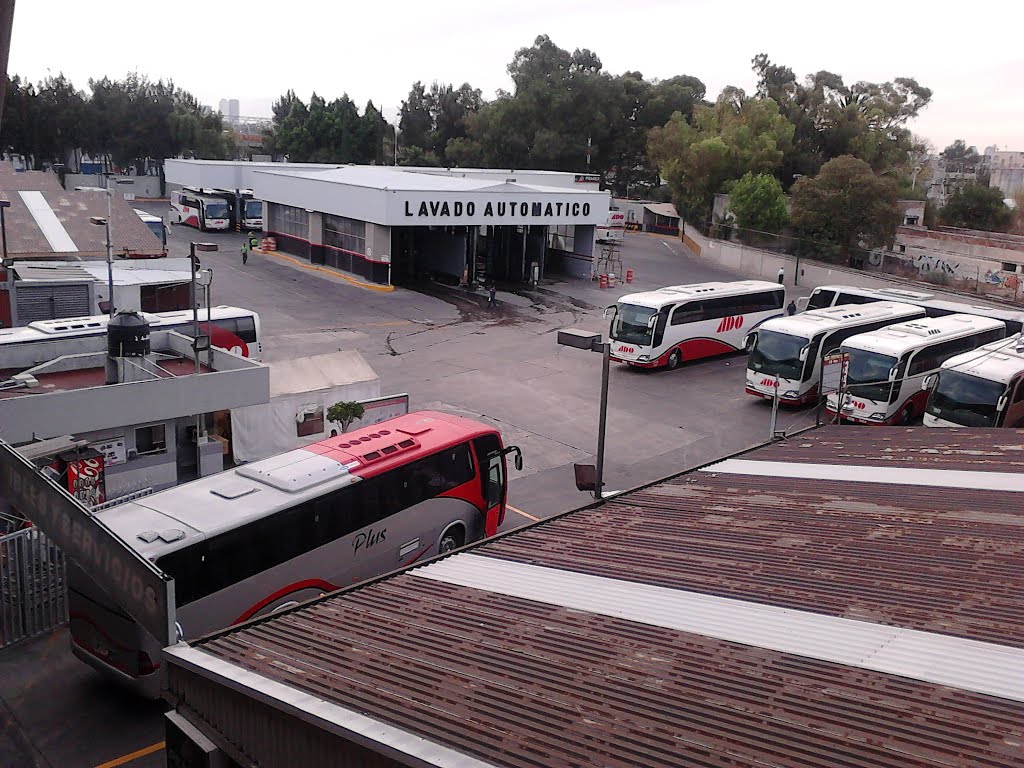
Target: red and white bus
205 212
885 368
687 322
268 535
786 353
833 295
233 328
983 388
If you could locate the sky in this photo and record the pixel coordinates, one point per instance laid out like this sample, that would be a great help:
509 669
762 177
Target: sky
970 54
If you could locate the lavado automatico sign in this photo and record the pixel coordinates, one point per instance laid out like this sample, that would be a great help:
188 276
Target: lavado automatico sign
462 209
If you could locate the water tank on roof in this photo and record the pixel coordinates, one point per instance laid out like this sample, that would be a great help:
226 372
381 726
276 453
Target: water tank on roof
128 335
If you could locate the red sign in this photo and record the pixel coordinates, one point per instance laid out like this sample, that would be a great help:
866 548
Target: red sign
86 480
769 383
627 350
730 323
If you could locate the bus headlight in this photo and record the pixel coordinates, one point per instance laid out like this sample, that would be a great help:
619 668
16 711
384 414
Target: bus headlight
643 358
790 394
876 416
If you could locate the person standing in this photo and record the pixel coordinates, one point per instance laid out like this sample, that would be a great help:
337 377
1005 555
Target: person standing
245 252
490 295
254 242
791 309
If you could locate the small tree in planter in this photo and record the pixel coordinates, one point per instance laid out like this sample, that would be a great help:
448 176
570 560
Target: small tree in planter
345 413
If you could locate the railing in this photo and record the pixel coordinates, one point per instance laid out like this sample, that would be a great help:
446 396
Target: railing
33 589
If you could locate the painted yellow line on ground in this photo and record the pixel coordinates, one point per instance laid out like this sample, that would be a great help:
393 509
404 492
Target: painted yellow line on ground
527 515
123 759
335 273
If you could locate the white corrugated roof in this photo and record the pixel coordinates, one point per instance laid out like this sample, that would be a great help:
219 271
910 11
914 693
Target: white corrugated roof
58 238
971 665
319 372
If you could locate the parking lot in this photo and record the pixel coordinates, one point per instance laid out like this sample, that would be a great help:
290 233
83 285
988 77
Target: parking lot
451 352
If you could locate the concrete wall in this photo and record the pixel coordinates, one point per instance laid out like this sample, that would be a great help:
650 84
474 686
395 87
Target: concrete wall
378 241
142 186
157 471
754 263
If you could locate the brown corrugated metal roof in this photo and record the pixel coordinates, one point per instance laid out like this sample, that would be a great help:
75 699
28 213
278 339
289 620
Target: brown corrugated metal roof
518 682
73 210
977 450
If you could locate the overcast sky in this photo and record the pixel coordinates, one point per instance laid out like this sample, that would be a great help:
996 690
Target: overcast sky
970 54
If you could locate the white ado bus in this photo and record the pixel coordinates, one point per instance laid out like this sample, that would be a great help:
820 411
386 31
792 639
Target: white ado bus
832 295
687 322
886 367
983 388
786 353
199 211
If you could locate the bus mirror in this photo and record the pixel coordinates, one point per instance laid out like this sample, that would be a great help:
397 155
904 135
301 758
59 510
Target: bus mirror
652 321
801 303
608 312
892 374
1001 403
928 382
750 341
517 460
803 353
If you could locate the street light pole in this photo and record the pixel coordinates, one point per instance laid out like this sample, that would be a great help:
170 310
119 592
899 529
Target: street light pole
606 354
110 255
194 264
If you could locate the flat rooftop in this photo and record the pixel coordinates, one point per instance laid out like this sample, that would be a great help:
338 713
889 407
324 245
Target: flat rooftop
88 376
848 597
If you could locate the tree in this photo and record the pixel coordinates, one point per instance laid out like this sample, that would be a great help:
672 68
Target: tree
736 135
977 207
758 203
830 119
959 158
846 204
344 413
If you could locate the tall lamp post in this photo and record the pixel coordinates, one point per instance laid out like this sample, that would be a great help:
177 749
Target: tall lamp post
4 205
199 343
105 222
593 341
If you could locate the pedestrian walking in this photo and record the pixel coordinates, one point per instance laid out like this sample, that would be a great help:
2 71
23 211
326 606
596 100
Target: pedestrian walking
245 252
490 295
254 242
791 309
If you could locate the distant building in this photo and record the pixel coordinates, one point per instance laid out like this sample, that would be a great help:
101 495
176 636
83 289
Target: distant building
1007 171
223 107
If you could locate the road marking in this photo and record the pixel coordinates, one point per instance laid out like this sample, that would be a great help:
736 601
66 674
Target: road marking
334 273
670 248
133 755
527 515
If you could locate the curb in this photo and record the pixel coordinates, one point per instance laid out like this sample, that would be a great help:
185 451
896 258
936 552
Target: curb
328 271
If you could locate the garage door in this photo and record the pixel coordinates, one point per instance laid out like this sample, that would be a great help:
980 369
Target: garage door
49 302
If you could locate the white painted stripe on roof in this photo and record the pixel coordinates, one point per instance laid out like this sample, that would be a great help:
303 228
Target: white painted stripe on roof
321 713
58 238
971 665
934 478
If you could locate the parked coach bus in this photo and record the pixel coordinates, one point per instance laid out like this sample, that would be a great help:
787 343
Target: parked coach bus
786 352
887 366
234 329
983 388
268 535
201 211
687 322
831 295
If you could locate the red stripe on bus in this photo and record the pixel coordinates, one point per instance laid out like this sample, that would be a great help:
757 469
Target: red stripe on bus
298 586
697 348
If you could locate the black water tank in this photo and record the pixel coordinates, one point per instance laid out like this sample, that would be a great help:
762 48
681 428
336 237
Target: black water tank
128 335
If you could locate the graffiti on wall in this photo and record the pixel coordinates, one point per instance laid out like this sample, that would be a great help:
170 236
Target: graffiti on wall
1003 279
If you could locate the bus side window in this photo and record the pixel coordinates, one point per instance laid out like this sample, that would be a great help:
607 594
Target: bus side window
849 298
659 326
691 312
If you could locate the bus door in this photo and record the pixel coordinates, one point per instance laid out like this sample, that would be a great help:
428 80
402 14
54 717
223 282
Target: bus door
1013 413
493 480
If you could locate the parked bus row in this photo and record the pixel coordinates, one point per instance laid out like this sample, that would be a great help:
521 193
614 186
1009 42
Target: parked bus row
266 536
216 209
895 342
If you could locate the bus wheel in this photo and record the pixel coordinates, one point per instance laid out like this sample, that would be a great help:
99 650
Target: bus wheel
908 415
451 539
674 359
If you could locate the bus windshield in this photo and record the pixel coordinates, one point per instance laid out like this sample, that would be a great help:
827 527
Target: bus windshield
631 324
965 399
216 210
868 374
253 209
777 354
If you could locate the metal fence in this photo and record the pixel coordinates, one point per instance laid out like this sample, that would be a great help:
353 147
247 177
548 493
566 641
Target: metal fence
33 588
